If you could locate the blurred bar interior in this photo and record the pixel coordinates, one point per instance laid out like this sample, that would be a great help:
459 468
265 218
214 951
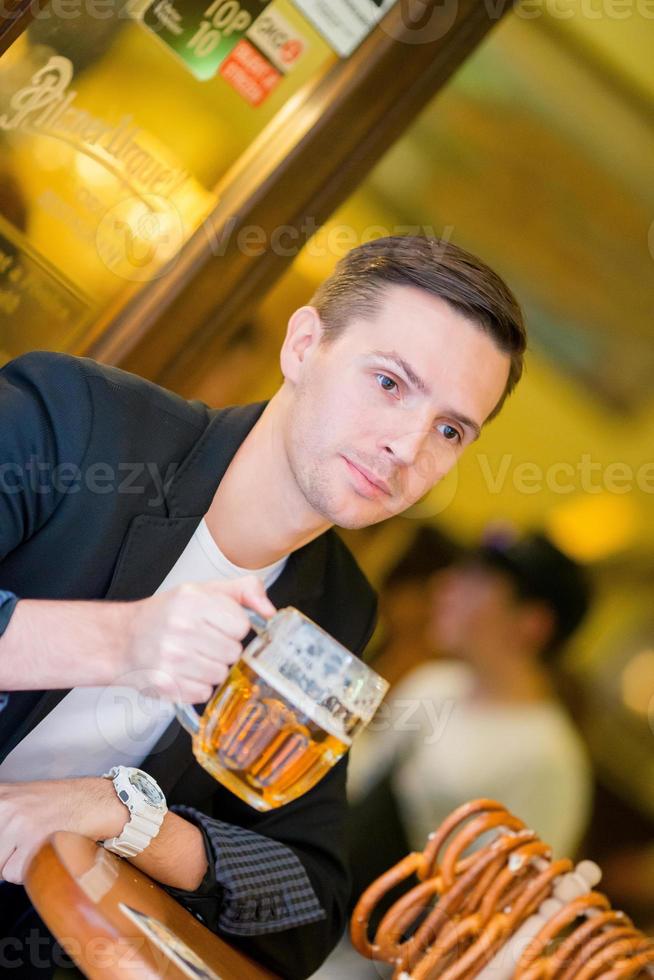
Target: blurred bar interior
171 189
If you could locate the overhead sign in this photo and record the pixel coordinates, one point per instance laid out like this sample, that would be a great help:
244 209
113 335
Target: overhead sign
278 40
202 32
344 23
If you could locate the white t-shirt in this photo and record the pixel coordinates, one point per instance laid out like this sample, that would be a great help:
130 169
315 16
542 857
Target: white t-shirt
447 749
95 728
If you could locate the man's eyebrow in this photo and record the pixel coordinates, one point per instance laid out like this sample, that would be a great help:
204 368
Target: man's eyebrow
414 378
422 386
464 420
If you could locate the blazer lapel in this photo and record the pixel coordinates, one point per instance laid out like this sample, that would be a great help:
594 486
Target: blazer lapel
302 577
42 707
153 543
150 548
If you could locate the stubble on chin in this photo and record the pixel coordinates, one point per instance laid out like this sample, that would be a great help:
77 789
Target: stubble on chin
357 524
355 512
325 499
326 491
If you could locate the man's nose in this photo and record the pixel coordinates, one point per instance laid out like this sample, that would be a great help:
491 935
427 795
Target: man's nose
408 447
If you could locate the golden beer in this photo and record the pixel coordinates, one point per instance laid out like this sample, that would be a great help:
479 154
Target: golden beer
286 713
261 743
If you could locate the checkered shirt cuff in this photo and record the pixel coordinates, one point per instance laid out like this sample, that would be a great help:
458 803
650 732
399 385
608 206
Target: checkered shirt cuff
265 887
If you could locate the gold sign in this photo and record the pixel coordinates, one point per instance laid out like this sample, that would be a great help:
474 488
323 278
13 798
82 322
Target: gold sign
47 106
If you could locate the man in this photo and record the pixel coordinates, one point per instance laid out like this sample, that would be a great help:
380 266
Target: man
404 603
390 373
485 723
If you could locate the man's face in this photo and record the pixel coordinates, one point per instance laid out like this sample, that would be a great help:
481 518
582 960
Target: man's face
474 613
383 412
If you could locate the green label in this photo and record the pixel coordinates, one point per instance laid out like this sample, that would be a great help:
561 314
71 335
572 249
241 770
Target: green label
202 34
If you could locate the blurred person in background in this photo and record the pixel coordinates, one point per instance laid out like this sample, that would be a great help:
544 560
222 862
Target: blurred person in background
485 723
401 642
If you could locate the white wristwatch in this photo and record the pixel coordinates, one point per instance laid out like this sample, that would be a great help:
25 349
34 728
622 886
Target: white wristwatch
146 804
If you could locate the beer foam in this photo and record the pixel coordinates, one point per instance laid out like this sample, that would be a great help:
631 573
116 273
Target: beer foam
317 713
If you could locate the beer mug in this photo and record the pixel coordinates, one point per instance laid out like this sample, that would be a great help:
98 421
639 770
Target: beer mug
286 713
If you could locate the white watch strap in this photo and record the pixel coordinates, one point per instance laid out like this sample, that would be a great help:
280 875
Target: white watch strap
135 836
141 827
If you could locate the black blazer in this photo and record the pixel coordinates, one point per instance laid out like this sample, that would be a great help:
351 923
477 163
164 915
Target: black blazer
103 479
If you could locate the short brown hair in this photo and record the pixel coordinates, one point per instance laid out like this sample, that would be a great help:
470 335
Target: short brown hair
357 285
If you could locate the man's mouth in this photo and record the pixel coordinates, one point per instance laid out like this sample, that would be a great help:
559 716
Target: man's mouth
366 481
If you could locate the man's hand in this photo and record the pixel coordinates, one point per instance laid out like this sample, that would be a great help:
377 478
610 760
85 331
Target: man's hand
188 638
177 644
30 812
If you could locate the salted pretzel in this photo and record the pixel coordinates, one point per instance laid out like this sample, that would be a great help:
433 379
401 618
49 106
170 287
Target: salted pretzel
489 903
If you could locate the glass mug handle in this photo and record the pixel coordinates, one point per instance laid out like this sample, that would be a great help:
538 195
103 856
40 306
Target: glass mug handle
186 714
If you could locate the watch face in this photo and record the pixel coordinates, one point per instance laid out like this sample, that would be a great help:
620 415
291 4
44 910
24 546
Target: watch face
151 792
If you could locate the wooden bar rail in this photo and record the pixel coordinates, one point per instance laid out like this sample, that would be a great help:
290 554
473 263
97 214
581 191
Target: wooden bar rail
78 889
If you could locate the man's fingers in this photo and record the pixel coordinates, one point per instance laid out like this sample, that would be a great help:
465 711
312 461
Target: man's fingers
226 607
195 693
249 591
223 614
11 867
215 649
223 605
195 631
201 664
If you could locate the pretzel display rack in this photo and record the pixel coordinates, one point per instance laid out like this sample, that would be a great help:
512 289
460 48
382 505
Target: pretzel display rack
491 904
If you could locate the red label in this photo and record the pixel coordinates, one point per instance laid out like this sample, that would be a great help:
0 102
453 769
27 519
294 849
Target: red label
290 51
249 73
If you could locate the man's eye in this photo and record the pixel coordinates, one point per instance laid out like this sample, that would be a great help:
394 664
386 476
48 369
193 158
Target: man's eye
450 433
386 383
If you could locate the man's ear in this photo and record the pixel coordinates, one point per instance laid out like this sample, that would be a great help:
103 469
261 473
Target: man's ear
538 624
303 336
